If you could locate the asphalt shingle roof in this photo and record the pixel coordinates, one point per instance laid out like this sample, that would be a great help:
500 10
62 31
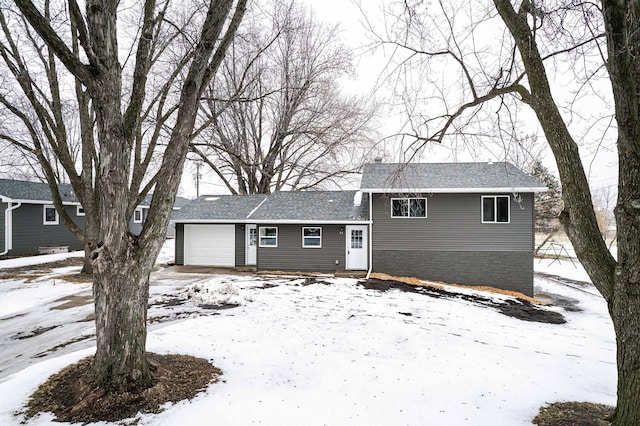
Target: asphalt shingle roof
447 176
219 207
34 191
320 206
313 206
20 190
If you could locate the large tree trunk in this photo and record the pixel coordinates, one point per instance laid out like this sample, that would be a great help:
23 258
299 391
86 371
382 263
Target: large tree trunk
122 262
622 24
121 295
618 282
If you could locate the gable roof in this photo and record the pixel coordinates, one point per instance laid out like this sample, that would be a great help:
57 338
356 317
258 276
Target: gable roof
282 206
447 177
19 190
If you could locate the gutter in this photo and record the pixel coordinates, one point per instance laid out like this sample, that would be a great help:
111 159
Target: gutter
8 226
370 235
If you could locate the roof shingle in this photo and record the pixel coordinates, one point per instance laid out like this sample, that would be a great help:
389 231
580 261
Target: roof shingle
443 177
34 191
293 206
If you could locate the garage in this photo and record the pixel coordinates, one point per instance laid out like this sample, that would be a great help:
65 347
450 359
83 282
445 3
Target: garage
209 245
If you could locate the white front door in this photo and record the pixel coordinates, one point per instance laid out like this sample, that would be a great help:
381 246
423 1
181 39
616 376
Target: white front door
356 247
251 244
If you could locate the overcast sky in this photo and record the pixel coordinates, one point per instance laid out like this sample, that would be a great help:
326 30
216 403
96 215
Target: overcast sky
600 161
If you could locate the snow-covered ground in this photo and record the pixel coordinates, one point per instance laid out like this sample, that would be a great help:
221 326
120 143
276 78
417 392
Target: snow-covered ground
334 353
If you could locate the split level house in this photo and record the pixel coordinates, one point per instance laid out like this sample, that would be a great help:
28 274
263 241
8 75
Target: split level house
464 223
29 221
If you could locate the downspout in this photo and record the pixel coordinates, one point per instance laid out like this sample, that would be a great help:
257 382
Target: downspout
8 227
370 236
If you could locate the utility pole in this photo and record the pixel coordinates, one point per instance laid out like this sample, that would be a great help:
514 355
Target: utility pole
197 176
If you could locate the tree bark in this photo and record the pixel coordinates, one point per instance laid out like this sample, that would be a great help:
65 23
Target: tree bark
121 292
618 282
622 25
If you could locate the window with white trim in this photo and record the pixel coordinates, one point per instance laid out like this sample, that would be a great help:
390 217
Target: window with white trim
50 215
312 237
496 209
79 211
137 216
268 236
409 207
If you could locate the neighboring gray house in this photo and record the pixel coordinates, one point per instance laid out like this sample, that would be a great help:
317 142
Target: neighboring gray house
465 223
29 220
288 231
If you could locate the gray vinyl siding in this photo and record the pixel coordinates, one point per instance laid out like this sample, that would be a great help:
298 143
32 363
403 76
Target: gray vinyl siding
29 232
291 256
240 245
453 245
136 228
179 248
453 223
3 208
509 270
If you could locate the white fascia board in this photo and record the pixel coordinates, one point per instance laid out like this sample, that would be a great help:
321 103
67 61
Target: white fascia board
42 202
5 199
454 190
275 221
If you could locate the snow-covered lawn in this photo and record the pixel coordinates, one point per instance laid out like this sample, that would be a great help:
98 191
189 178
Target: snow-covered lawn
334 353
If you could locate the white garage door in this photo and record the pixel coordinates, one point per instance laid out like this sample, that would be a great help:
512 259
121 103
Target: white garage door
209 245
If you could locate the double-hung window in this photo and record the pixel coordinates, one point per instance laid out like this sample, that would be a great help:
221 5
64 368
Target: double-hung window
495 209
268 236
409 207
50 215
312 237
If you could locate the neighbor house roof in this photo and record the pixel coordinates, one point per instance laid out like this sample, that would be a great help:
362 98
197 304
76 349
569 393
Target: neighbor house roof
282 206
447 177
38 192
18 190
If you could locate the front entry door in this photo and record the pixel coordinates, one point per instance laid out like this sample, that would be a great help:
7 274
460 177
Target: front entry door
357 247
251 244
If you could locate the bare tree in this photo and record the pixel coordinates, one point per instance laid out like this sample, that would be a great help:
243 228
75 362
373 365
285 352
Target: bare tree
274 117
117 171
40 119
498 58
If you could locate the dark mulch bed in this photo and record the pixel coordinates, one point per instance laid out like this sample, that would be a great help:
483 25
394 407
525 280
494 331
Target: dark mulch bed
72 396
516 308
572 414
